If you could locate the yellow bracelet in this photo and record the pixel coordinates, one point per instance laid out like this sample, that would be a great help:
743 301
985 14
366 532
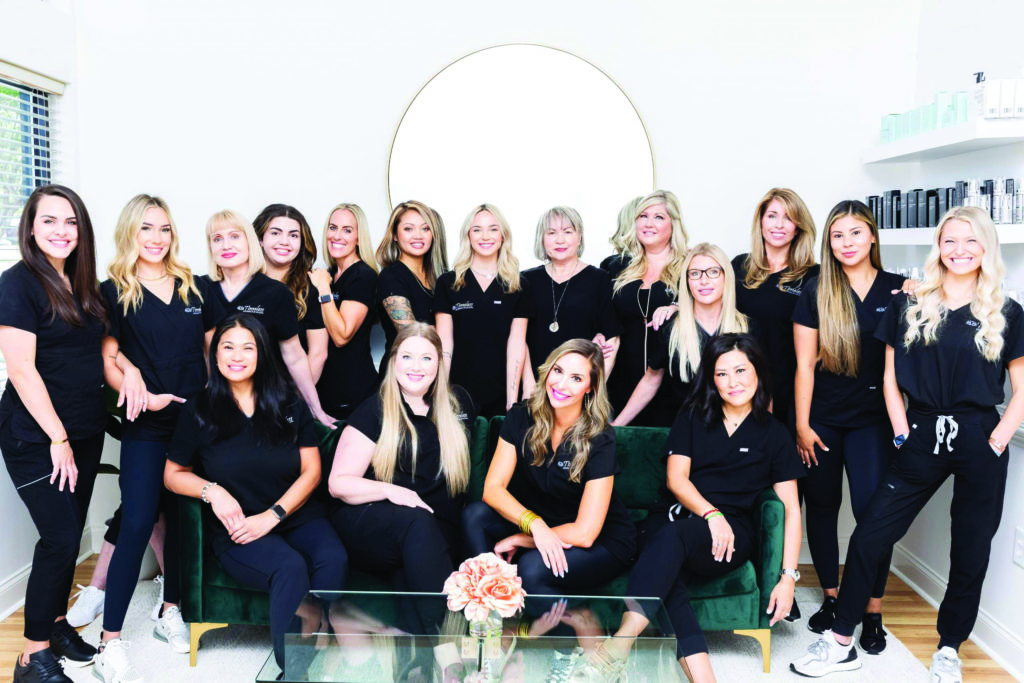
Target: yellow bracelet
57 443
523 630
526 519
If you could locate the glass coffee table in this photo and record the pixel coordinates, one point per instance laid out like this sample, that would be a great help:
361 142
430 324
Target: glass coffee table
365 637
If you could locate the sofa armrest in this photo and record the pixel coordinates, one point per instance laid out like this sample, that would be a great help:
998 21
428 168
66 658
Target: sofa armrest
190 555
769 530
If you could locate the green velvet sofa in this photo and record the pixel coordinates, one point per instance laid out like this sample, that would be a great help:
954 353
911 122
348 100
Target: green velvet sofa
735 602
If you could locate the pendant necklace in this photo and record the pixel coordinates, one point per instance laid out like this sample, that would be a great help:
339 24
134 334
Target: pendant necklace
554 324
644 314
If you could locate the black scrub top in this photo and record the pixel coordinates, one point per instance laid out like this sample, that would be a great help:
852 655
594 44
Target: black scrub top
256 476
267 300
585 309
426 479
730 472
314 318
547 490
481 323
634 308
68 358
165 342
950 374
852 402
398 280
771 305
349 375
614 263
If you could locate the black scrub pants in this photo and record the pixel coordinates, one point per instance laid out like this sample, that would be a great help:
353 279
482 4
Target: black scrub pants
938 446
679 551
289 565
865 453
59 517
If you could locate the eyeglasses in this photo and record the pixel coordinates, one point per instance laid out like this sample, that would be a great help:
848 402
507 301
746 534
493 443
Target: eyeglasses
713 273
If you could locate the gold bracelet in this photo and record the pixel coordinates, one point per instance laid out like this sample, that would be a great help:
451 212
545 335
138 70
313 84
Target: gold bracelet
529 523
523 630
57 443
526 519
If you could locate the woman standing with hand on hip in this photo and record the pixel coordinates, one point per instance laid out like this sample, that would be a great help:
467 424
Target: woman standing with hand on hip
52 412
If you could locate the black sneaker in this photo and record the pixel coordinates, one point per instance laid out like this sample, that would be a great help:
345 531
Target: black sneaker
872 635
821 620
42 667
794 612
65 642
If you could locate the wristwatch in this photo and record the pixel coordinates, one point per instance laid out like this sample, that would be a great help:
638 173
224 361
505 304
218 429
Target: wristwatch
326 298
279 512
792 573
899 440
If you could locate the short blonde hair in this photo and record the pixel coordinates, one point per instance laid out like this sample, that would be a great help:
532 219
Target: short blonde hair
566 213
232 219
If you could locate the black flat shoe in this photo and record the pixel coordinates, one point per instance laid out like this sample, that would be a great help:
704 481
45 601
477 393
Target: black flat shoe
821 620
872 635
794 612
42 667
67 644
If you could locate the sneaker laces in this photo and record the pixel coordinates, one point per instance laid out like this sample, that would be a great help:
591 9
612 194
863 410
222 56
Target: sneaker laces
115 652
946 664
50 667
81 589
819 649
172 619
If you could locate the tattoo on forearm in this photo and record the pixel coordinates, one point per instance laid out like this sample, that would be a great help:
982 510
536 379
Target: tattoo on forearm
399 310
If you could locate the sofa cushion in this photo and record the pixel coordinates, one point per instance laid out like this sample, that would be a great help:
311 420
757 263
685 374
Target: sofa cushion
641 455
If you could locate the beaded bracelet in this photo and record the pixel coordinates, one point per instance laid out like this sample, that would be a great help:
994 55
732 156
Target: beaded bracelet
711 512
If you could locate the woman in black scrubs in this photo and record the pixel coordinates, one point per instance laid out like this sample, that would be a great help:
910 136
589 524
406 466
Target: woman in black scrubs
548 501
770 279
161 323
639 288
290 252
948 350
571 300
402 468
247 445
723 451
237 279
52 411
625 225
840 412
482 306
412 256
347 290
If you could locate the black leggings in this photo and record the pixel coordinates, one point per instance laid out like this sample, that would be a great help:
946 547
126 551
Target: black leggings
59 517
865 453
673 555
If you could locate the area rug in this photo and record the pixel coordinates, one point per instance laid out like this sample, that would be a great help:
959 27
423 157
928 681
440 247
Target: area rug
237 653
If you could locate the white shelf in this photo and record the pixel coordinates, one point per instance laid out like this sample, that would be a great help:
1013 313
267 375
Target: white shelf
945 142
1008 234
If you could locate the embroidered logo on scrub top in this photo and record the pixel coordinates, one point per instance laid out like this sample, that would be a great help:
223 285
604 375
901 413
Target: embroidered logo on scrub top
564 464
973 323
463 307
462 416
881 309
194 310
290 420
744 450
255 310
790 289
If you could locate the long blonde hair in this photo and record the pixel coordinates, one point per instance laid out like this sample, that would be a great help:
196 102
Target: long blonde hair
397 429
435 261
684 342
838 330
364 248
801 249
508 264
232 219
625 224
594 416
126 258
638 265
928 308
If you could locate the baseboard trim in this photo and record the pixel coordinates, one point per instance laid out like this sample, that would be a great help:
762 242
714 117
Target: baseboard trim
1000 643
12 590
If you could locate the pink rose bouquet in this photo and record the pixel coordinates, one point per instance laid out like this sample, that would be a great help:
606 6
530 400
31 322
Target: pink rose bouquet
484 583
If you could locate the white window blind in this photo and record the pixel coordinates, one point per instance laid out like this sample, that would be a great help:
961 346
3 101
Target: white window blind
26 162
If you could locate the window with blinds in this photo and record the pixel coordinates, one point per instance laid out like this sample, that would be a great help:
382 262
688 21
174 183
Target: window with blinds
26 162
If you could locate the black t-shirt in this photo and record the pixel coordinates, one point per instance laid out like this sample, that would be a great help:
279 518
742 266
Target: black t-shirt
771 305
950 374
585 309
614 264
398 280
349 375
256 476
730 472
165 342
314 318
267 300
426 480
843 401
481 323
548 491
68 358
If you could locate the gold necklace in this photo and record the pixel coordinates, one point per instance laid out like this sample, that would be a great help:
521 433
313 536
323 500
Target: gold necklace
151 279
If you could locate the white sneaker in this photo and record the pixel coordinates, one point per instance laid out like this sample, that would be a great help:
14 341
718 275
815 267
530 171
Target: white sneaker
112 664
155 614
88 606
945 667
826 655
172 630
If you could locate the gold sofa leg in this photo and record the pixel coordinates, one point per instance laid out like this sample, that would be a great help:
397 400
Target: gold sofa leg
195 632
764 637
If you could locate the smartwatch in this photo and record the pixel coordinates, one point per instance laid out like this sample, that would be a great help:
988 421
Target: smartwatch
279 512
326 298
899 440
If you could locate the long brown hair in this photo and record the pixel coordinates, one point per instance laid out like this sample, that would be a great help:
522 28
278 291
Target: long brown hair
801 249
297 279
80 266
435 261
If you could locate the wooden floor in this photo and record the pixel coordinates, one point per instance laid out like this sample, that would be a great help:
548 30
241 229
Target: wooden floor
907 616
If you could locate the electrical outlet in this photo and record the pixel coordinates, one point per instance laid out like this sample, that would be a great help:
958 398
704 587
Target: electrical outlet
1018 547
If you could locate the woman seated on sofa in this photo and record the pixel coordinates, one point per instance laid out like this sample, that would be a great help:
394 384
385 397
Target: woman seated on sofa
247 446
548 500
723 451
